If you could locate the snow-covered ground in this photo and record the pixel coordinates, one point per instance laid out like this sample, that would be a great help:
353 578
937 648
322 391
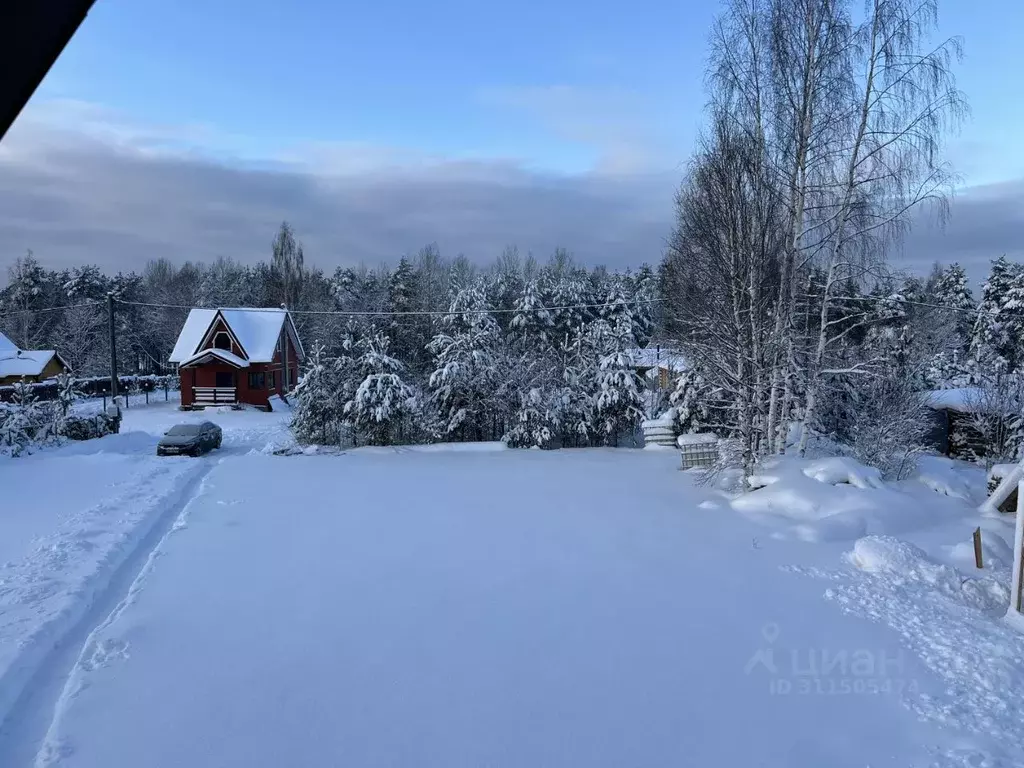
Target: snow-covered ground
498 608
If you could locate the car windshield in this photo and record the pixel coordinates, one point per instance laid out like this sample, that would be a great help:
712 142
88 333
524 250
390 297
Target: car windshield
182 430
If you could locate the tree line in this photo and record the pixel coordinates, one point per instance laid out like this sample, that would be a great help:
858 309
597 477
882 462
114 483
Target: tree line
824 138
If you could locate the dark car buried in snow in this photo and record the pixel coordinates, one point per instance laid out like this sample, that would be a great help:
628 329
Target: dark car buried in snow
189 439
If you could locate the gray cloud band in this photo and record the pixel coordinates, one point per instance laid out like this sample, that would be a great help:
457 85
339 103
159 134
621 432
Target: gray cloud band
74 199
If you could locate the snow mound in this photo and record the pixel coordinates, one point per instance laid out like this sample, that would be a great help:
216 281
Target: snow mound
842 469
837 499
951 478
891 557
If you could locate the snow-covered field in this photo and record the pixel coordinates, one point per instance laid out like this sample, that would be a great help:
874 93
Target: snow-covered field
496 608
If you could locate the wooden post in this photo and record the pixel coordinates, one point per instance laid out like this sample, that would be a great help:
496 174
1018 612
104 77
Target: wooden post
1017 588
113 347
977 548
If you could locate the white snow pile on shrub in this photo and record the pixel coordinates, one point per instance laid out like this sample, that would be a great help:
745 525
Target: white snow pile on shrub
838 498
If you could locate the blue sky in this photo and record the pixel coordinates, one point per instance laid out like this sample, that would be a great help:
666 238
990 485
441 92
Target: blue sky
379 127
549 84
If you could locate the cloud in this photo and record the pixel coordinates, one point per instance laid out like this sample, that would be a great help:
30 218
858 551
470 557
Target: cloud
987 222
620 125
118 195
79 184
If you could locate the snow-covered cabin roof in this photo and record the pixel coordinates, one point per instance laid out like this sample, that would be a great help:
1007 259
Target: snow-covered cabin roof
962 400
221 354
24 362
7 346
653 357
196 325
256 330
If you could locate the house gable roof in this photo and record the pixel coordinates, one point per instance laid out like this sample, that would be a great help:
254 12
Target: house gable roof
255 330
29 362
206 355
7 346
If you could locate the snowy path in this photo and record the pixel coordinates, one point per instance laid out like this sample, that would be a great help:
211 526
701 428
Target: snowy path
506 609
22 733
76 525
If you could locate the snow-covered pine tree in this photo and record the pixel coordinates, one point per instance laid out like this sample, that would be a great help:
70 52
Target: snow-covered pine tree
574 390
953 290
405 332
691 401
316 416
22 422
531 318
645 308
996 335
618 402
536 422
382 402
944 330
67 395
463 379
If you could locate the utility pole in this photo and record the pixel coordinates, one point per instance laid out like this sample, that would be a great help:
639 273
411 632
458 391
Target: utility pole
113 346
284 351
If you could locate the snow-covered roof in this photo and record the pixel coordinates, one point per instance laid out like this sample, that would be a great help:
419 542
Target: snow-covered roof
257 331
963 399
29 362
6 345
221 354
196 325
652 357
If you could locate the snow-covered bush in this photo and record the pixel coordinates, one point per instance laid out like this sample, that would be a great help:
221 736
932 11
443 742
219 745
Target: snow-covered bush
891 424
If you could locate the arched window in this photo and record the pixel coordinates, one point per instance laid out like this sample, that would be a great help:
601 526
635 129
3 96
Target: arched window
222 341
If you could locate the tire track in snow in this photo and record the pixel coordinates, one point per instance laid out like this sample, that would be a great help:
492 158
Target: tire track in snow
24 733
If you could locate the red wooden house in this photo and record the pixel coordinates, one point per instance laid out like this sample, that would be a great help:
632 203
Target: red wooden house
228 356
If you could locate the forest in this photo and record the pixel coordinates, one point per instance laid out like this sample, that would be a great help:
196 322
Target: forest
823 144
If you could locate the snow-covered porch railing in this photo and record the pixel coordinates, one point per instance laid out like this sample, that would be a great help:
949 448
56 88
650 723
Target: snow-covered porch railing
213 395
1013 481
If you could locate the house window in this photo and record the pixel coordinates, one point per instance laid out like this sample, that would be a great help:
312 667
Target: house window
257 381
222 341
270 380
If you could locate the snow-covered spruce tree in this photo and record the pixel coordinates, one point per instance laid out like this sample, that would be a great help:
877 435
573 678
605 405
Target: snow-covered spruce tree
317 417
691 401
618 403
996 336
463 379
382 403
67 395
953 290
575 388
23 424
536 422
531 319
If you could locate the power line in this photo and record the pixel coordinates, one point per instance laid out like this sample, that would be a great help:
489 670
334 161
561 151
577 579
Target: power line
410 313
14 312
